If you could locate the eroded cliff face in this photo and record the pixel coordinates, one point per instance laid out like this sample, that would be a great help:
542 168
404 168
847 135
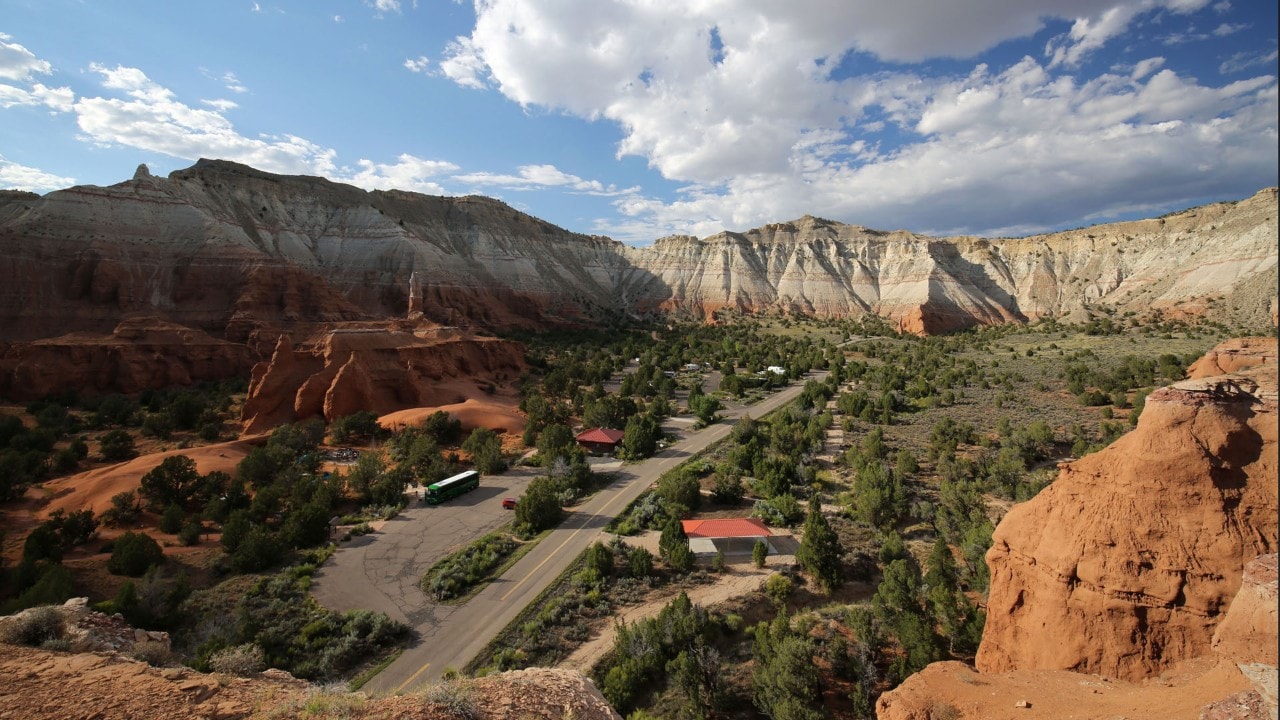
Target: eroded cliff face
140 353
1126 564
227 249
379 369
1217 259
233 251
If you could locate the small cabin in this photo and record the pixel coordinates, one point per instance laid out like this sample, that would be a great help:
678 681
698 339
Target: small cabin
600 441
732 536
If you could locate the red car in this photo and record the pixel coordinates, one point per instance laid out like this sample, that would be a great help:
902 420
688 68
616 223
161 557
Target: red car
509 503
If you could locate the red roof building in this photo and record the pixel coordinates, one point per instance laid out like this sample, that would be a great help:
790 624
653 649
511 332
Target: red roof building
600 440
730 537
725 528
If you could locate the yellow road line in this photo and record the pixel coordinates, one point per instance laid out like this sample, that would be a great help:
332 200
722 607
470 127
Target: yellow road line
531 573
412 677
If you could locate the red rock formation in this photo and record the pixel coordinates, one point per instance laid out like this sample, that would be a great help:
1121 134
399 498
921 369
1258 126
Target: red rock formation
1128 562
1248 632
1148 558
372 367
141 353
1234 356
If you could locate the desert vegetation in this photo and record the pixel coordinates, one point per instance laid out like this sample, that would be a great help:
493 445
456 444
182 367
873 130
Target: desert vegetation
892 467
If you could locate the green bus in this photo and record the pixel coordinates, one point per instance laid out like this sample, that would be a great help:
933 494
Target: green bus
452 487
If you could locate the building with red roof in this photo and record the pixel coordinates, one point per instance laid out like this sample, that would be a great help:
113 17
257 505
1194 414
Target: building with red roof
731 536
600 441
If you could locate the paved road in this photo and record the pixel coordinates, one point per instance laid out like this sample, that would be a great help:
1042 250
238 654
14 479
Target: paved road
385 578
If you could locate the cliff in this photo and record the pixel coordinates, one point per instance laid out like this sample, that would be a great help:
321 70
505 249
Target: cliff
1217 259
376 368
227 249
1149 564
231 250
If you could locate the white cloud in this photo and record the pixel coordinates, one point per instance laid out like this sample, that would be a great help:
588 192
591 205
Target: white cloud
233 83
1242 61
1226 29
541 177
338 19
418 64
1146 67
21 177
18 63
151 118
221 105
464 64
384 6
408 173
1005 154
740 100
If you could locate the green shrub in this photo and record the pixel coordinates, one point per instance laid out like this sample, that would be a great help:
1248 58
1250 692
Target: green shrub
132 553
172 519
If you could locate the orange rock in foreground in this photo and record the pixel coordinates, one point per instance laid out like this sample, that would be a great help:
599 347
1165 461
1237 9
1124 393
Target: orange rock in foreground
1127 563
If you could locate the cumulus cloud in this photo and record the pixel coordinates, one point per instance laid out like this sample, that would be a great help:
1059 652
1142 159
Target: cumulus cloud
539 177
765 112
407 173
18 63
1013 153
21 177
418 64
464 64
150 118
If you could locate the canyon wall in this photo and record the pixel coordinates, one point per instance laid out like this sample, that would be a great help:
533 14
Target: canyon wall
1217 259
229 249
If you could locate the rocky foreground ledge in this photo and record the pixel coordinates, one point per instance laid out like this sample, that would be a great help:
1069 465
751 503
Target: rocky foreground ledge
98 680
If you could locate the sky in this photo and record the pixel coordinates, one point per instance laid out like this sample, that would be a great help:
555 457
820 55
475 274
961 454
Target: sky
639 119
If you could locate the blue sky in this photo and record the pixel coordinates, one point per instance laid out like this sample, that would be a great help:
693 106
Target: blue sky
644 118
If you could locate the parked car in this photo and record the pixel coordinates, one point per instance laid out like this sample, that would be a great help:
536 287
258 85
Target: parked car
509 503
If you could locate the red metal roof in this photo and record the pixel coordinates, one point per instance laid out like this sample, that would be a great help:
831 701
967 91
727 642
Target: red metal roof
608 436
725 527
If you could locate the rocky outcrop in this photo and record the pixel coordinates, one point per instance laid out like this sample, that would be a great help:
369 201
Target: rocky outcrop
1234 356
1248 633
376 368
1142 583
140 353
228 249
1128 562
956 691
85 630
44 685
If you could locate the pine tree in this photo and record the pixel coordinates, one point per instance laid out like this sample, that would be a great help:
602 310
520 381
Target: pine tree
820 549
